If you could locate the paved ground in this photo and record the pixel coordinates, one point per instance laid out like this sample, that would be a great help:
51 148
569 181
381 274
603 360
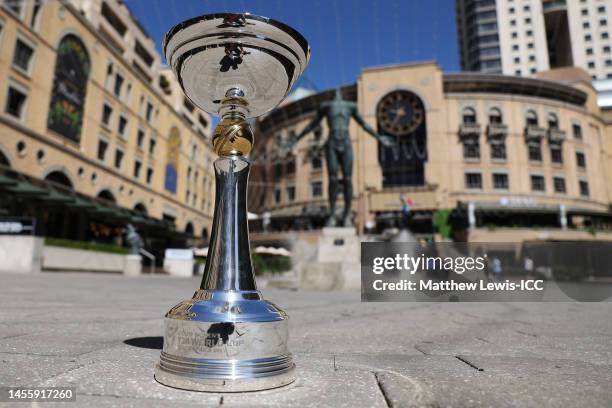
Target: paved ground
102 334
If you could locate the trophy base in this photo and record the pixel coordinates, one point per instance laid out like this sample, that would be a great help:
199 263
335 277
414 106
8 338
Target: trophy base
225 375
225 341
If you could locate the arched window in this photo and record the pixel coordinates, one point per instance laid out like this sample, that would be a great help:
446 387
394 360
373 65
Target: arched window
553 121
469 115
204 233
140 208
4 161
189 229
495 116
107 195
72 68
59 177
531 118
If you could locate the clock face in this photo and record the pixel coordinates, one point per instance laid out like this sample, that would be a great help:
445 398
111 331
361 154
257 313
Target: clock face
400 113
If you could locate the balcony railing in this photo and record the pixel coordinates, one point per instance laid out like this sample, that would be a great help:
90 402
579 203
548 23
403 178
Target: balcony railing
556 135
534 132
469 129
497 130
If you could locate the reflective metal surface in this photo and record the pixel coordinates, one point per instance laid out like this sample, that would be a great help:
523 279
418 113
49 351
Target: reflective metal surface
227 338
259 57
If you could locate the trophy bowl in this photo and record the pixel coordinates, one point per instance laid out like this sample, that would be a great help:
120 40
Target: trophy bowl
227 338
215 53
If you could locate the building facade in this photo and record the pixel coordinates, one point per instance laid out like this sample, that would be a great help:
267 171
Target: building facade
521 37
87 113
479 151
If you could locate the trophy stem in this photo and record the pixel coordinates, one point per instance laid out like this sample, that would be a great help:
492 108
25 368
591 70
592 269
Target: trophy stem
229 258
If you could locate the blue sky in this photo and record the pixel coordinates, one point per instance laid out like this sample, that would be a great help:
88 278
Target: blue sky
345 35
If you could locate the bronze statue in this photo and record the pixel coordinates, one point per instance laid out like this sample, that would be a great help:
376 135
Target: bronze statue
338 150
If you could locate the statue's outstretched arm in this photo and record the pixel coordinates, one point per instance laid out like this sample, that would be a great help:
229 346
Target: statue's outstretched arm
385 140
364 124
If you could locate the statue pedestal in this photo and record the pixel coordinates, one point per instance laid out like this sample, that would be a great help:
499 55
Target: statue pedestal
336 265
132 265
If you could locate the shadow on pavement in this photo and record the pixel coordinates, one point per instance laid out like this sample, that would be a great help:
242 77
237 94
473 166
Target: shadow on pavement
156 342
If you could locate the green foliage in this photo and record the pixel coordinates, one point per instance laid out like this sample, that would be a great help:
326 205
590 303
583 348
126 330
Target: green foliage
88 246
163 82
441 222
270 263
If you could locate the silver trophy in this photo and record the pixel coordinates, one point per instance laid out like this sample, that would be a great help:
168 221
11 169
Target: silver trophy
227 338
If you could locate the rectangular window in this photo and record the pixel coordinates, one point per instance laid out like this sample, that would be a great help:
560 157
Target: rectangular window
152 144
122 125
556 154
140 136
188 105
537 183
290 166
316 162
500 181
581 160
118 158
535 152
278 171
22 58
15 6
316 188
584 188
559 183
291 193
102 148
277 195
498 151
471 149
149 113
107 113
202 120
118 85
35 14
149 175
143 54
473 180
113 19
137 167
15 102
577 131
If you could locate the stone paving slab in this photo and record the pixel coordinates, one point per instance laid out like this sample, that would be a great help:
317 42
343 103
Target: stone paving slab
102 333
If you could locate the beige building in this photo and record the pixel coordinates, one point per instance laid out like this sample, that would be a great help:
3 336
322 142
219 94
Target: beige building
86 107
522 37
485 152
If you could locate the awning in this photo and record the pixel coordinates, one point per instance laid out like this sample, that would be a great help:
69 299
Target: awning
27 189
7 181
55 197
80 203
